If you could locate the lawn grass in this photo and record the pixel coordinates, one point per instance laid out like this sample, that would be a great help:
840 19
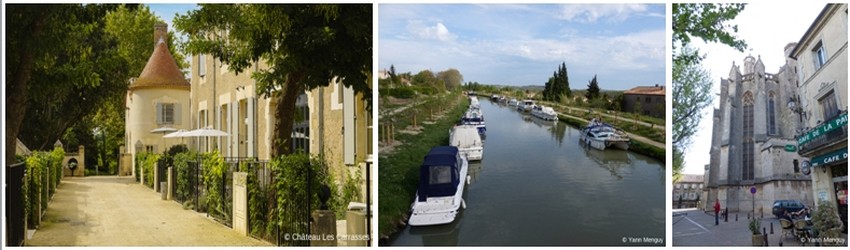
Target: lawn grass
398 172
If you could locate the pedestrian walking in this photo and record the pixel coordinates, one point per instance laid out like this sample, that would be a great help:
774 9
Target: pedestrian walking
717 212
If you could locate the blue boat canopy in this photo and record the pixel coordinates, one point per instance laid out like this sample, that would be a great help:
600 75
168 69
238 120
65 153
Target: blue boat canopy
439 173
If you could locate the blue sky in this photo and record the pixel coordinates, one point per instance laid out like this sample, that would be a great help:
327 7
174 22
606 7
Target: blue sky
523 44
168 11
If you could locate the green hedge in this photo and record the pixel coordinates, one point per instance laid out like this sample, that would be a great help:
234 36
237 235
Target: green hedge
399 92
147 162
215 181
181 167
44 173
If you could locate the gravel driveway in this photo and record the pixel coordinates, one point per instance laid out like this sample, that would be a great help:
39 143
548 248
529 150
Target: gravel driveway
116 211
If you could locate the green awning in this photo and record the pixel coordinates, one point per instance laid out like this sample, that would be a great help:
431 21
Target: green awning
831 157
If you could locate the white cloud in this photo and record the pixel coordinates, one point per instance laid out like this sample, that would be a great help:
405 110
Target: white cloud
437 32
589 13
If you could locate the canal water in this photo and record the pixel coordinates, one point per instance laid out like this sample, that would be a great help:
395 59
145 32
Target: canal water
538 185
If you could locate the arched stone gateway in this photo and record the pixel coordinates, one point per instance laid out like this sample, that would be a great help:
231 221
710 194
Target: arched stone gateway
74 164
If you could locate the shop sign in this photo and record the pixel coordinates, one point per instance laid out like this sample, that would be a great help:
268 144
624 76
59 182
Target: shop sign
790 148
822 129
831 157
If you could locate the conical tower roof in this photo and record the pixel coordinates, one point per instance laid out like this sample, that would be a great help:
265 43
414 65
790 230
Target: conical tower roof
161 71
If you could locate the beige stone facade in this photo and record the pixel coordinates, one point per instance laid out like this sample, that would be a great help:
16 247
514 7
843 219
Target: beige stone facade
822 73
338 124
687 192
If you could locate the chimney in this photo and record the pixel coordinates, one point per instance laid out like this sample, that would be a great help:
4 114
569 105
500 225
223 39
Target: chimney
160 30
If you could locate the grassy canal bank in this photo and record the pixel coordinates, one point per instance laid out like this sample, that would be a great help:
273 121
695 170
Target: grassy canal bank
398 173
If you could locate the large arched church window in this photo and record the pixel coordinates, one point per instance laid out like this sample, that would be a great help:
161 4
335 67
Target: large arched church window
748 153
771 114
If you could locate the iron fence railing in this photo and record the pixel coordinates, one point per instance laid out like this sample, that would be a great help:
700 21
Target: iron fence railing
15 215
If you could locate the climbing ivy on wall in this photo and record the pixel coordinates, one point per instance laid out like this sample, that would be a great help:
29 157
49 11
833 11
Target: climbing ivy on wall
181 166
147 161
215 181
56 161
44 172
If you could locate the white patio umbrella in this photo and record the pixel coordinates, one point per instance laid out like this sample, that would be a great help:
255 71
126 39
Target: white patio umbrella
175 134
205 132
179 133
163 130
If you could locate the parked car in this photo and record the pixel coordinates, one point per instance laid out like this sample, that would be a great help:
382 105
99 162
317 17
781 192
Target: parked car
780 206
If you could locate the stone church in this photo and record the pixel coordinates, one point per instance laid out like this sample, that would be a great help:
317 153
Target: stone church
750 131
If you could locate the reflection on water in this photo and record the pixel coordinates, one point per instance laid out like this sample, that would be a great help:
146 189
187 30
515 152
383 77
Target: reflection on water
537 185
612 160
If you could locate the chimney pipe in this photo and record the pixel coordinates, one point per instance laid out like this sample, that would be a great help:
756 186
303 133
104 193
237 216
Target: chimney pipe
160 32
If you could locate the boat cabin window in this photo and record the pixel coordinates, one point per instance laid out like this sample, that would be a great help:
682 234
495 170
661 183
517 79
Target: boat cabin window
440 175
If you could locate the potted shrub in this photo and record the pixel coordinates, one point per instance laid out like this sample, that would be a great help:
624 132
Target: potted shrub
826 222
755 228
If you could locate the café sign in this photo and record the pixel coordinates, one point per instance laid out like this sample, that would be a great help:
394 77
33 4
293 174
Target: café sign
835 156
821 130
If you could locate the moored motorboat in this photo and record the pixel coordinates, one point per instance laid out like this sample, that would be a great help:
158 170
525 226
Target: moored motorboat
545 113
476 118
526 105
468 141
601 135
474 103
513 102
442 178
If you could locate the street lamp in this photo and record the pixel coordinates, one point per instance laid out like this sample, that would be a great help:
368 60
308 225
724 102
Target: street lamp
794 107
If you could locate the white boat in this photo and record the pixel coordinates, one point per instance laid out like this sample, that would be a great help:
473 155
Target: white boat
602 135
526 105
474 103
545 113
442 178
475 118
494 97
513 102
468 141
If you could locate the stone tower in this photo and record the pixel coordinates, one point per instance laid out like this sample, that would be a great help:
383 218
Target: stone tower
159 97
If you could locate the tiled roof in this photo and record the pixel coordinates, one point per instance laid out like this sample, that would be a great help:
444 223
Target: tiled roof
161 71
646 90
690 178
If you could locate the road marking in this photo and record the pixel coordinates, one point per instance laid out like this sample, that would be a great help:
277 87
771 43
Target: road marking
687 234
697 224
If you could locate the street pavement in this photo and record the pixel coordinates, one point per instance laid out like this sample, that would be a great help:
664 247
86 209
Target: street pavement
693 227
116 211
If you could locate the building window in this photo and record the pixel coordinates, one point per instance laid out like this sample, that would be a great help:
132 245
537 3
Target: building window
771 114
829 106
819 55
165 113
648 100
301 128
796 166
202 65
748 164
